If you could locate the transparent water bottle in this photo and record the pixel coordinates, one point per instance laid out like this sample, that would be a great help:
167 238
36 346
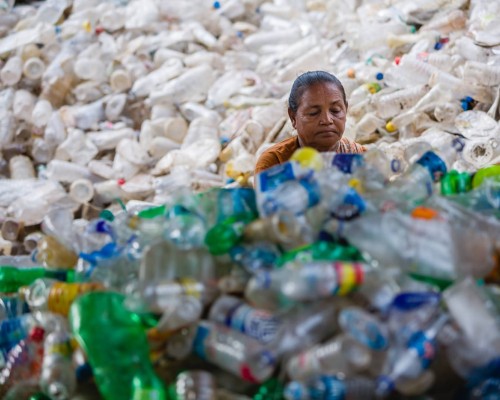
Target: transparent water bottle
342 355
236 314
58 377
415 358
195 384
234 352
328 387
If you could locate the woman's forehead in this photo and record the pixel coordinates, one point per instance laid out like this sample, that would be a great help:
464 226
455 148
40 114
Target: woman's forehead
320 93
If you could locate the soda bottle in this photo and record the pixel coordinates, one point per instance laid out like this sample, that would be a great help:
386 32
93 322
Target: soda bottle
51 295
114 361
234 352
225 235
23 362
12 278
58 377
236 314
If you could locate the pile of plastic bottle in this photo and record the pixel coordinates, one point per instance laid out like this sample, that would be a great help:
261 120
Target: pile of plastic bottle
331 279
143 260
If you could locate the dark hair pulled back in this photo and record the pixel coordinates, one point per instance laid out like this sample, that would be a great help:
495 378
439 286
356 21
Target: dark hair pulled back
309 79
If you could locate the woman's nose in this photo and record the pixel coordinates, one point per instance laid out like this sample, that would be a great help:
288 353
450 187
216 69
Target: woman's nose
326 118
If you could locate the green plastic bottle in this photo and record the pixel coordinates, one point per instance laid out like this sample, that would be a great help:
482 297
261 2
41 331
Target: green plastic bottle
115 343
227 234
12 278
455 182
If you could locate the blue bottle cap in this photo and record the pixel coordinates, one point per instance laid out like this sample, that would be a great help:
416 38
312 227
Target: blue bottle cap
469 99
216 5
465 105
438 46
434 164
379 76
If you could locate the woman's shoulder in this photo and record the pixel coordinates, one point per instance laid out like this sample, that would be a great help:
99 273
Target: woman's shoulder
277 154
349 146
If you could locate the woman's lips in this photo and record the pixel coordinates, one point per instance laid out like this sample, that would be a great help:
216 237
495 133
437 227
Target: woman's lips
327 133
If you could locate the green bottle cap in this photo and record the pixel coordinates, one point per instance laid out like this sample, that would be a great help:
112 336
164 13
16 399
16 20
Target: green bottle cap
224 236
107 215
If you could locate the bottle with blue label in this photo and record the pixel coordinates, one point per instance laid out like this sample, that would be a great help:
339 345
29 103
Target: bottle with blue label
12 331
328 387
236 314
234 352
414 359
255 257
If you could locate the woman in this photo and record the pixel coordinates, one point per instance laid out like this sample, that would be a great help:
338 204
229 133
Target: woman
317 107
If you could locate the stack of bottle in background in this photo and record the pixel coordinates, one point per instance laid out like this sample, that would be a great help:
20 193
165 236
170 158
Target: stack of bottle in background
102 99
333 278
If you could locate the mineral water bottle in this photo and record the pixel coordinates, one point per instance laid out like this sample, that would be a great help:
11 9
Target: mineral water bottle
12 331
236 314
364 327
234 352
195 384
328 387
310 281
23 362
342 355
413 360
58 378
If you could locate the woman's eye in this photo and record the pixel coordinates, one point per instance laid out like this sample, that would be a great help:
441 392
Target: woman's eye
336 110
312 114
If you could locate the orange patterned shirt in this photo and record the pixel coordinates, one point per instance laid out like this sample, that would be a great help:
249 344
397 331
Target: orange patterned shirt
282 151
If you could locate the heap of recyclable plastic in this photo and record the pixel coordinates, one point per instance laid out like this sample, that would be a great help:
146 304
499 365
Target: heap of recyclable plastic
139 261
100 99
332 279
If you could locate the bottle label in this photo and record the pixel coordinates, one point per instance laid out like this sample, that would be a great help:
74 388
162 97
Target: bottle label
271 178
349 277
435 165
328 388
62 294
199 346
425 348
258 324
364 328
347 163
191 287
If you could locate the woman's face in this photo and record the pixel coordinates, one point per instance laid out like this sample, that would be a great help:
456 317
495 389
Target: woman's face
320 117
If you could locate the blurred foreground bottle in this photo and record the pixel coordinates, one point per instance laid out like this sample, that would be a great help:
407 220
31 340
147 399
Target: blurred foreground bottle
106 330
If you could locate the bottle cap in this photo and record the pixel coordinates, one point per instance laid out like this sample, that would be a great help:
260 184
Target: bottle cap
379 76
391 127
37 334
397 60
216 5
438 46
351 73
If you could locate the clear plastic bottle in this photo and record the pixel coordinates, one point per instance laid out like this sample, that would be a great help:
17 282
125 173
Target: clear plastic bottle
195 384
12 331
58 377
394 103
234 352
481 74
33 68
446 22
24 362
120 80
12 71
158 295
184 311
327 387
57 297
236 314
341 355
308 281
415 358
41 113
21 167
82 191
23 105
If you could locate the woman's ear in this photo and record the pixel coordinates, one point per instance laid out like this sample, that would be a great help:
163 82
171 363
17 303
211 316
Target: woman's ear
291 114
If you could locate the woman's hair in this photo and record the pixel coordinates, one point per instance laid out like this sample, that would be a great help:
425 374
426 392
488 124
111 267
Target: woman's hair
309 79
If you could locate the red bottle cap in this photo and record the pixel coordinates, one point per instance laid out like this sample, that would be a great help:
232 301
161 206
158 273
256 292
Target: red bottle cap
397 60
37 333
